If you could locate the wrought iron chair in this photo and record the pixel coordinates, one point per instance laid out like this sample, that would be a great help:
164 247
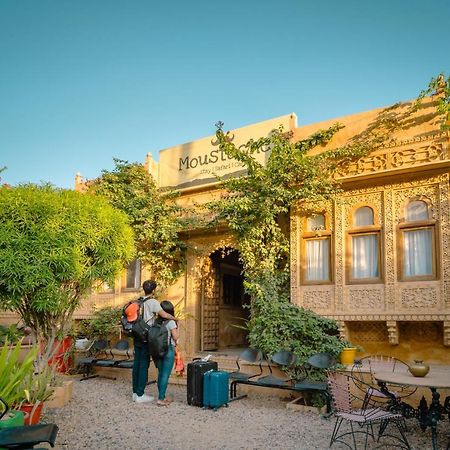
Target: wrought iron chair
363 375
250 355
363 419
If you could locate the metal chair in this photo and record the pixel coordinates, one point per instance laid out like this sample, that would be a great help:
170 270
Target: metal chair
250 355
283 359
364 418
306 382
362 374
95 350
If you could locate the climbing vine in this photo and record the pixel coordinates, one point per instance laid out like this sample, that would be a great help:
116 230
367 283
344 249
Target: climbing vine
256 208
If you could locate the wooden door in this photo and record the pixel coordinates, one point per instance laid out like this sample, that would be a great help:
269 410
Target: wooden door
210 310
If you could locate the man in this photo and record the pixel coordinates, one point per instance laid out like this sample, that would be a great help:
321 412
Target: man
141 354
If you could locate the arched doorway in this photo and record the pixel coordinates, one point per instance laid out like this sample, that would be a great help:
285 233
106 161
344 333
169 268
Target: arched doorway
224 310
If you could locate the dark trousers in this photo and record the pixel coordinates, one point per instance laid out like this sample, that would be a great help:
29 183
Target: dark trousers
140 367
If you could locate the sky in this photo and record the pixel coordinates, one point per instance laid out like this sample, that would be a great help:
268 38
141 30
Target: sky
86 81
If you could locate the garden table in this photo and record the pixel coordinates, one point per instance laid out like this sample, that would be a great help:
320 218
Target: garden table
437 378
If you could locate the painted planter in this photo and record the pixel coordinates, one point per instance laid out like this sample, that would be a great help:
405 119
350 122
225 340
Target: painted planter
347 356
61 396
12 418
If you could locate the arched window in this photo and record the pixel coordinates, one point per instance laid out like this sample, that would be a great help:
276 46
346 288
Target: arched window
418 260
316 250
364 243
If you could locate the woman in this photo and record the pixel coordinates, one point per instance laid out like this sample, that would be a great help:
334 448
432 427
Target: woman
165 364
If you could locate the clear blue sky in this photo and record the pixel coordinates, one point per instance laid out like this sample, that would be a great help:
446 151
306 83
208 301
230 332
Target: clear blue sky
84 81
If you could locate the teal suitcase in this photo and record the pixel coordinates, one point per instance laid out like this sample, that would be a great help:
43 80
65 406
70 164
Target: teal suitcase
215 389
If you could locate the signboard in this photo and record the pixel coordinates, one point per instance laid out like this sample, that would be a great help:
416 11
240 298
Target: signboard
197 163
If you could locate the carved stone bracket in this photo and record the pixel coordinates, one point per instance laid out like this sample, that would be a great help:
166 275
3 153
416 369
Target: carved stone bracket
343 330
447 333
393 333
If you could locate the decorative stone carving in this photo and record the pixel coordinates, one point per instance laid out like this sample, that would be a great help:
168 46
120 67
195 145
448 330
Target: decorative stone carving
447 333
424 332
368 332
295 257
317 300
343 330
365 299
419 298
388 160
393 333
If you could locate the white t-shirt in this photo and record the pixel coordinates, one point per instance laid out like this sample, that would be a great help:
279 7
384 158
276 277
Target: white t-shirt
151 310
171 325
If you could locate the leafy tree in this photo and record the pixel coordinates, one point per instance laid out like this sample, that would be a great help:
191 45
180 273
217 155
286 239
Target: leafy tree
54 244
153 214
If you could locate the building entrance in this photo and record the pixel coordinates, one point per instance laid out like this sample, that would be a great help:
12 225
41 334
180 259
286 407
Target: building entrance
223 303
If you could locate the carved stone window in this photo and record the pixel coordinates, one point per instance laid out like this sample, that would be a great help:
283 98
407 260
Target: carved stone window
363 259
417 252
316 250
131 279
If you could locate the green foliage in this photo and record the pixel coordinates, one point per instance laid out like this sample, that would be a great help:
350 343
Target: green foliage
38 387
11 334
154 216
103 323
13 371
54 245
439 87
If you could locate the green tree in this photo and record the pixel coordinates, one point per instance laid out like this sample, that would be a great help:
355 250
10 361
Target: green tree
154 216
54 245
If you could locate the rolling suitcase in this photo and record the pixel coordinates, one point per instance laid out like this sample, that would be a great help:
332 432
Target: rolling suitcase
215 389
195 371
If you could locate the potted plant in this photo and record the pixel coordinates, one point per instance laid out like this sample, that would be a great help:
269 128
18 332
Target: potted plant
36 388
348 353
13 371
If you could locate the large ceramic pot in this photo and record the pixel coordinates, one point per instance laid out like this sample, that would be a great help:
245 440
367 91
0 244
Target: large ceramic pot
347 356
419 368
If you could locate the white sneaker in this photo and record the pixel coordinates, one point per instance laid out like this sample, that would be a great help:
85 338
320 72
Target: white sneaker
134 396
144 398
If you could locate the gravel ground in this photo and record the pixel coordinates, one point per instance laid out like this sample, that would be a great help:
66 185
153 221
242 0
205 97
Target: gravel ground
101 416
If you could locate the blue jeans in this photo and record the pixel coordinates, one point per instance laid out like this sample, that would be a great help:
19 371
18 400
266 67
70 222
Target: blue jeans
165 366
140 367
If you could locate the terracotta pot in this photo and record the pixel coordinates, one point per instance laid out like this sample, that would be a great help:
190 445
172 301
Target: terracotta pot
419 369
27 408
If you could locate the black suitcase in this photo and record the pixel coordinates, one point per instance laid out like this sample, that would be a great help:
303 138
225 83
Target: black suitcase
195 371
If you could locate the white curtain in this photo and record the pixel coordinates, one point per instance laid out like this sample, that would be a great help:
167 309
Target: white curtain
365 256
318 259
418 253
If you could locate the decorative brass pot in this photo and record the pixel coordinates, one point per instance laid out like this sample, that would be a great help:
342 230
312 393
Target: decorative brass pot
419 369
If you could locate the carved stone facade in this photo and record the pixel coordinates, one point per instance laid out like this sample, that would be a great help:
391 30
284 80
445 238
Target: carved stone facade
413 169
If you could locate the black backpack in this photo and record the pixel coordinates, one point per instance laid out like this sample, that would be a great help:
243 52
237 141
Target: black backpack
138 327
158 338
